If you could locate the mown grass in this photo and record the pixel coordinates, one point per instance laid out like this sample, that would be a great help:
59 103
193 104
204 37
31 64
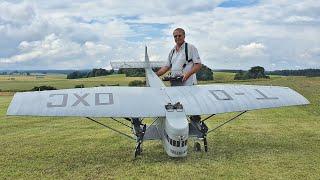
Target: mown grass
25 83
282 143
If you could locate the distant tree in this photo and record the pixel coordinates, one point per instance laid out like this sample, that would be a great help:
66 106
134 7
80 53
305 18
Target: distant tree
76 75
79 86
93 73
205 74
300 72
241 75
99 72
137 83
42 88
132 72
255 72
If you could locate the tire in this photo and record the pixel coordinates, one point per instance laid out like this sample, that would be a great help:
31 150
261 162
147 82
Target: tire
197 146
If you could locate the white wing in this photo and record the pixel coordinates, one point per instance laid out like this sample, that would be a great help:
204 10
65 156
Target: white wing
91 102
150 102
222 98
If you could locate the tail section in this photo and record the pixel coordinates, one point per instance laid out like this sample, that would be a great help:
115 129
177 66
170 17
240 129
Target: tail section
151 78
146 56
138 64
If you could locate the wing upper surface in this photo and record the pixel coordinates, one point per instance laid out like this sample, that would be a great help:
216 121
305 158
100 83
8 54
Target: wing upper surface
91 102
150 102
222 98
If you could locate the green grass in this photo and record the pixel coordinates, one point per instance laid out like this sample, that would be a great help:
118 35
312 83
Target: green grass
282 143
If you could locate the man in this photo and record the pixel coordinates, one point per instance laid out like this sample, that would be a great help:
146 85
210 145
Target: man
180 63
184 62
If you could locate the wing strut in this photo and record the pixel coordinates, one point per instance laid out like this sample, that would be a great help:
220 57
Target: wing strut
111 128
120 123
227 122
208 117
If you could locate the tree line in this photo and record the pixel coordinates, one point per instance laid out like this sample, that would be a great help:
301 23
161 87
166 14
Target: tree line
93 73
205 73
300 72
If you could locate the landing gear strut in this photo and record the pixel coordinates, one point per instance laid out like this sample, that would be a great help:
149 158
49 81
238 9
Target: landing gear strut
139 130
202 130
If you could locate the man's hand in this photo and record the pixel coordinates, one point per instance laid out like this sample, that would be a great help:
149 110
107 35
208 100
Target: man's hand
162 70
196 67
185 77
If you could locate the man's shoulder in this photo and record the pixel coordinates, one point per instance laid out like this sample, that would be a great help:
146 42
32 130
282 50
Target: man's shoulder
191 46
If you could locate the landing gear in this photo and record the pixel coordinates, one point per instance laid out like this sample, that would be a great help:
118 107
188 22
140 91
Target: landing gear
138 150
201 130
197 146
205 144
139 131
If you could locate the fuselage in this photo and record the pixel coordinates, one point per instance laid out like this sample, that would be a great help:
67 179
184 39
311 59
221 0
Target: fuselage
174 127
174 130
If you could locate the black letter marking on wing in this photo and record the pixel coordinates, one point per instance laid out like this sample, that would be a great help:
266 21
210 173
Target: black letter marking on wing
218 93
264 96
81 99
98 102
63 103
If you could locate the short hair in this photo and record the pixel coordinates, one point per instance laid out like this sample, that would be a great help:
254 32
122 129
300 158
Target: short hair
180 30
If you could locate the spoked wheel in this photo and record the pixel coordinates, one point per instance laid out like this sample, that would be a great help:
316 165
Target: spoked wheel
197 146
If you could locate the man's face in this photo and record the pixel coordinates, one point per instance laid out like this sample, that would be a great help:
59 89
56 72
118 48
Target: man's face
178 37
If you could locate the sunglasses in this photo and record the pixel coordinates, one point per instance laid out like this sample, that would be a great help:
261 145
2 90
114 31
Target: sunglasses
175 36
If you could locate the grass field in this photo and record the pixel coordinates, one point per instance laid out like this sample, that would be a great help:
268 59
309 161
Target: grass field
282 143
25 83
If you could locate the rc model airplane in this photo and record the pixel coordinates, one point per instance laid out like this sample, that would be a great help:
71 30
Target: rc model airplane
171 107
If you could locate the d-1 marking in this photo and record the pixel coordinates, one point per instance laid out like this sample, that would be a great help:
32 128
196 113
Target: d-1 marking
264 96
223 95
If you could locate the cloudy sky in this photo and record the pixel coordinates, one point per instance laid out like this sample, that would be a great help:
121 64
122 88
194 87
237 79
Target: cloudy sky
230 34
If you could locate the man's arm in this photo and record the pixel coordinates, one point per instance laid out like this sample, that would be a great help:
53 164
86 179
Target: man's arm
162 70
195 68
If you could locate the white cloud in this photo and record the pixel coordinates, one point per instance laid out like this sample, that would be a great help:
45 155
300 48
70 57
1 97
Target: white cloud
86 34
293 19
18 14
310 54
50 46
93 49
252 49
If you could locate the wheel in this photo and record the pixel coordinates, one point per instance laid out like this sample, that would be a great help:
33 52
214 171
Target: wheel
197 146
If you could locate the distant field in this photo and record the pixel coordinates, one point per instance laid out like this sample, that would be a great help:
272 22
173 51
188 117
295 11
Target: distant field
60 81
282 143
25 83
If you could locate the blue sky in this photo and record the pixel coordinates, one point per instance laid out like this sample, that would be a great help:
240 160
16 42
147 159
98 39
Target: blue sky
232 34
238 3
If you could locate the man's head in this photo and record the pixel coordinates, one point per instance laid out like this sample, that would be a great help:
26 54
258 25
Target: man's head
179 35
